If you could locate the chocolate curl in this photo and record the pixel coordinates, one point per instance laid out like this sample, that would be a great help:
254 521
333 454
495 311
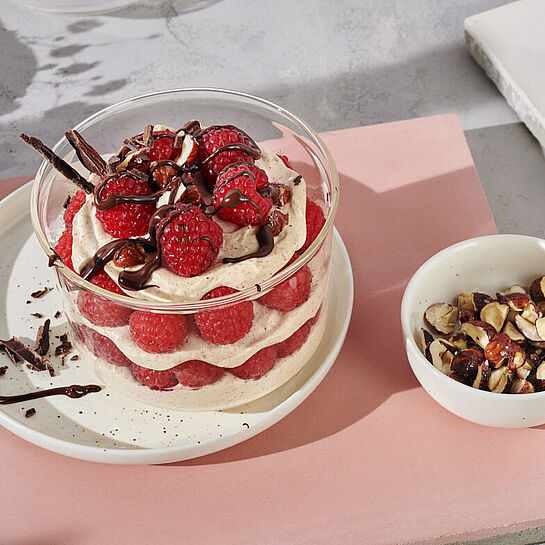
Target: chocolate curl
89 156
23 351
57 163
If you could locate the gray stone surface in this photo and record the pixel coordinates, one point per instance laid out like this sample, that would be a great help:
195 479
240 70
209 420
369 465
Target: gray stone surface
336 63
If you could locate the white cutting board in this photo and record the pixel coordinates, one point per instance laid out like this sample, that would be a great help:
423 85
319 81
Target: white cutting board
509 43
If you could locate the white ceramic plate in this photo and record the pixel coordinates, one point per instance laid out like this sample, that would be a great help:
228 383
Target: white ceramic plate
76 6
105 427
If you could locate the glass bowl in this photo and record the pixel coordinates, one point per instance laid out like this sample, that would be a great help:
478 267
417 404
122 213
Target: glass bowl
280 338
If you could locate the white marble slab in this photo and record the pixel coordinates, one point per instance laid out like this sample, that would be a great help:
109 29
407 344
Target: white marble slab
509 43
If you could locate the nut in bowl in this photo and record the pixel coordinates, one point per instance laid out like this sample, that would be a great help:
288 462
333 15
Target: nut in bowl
194 260
480 305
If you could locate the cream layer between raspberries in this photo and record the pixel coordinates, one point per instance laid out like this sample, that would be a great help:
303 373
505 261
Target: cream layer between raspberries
89 236
269 327
226 393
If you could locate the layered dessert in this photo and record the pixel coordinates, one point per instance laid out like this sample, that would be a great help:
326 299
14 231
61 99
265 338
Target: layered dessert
192 218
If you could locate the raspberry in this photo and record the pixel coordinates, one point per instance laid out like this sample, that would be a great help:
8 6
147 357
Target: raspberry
259 364
64 247
214 139
291 293
315 221
162 149
76 202
195 373
153 379
158 333
102 347
285 160
98 310
237 177
126 219
190 242
226 325
293 343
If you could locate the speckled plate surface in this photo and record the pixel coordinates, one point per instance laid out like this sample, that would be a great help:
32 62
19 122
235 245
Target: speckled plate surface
106 427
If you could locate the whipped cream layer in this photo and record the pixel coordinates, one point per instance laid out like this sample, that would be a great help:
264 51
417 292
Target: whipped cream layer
226 393
269 327
89 236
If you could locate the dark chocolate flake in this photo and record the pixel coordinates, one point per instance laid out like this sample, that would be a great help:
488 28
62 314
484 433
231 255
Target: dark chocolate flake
138 174
67 201
40 293
75 357
52 258
30 412
65 347
57 163
57 314
36 361
41 345
89 156
147 137
3 370
37 315
178 140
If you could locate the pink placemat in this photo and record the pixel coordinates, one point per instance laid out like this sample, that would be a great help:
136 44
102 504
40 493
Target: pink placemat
369 457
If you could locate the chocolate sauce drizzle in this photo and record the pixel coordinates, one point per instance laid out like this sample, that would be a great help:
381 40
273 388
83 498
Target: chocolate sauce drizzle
266 244
137 279
74 391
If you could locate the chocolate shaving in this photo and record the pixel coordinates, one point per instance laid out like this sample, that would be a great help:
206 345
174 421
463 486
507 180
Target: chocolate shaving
37 315
138 174
178 140
147 137
74 357
65 347
57 314
23 351
41 345
113 162
57 163
40 293
67 201
30 412
11 355
3 370
89 156
258 287
297 180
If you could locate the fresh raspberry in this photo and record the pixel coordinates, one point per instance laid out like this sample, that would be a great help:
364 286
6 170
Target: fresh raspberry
195 373
259 364
291 293
126 219
153 379
162 149
237 177
296 341
98 310
225 325
190 242
285 160
102 347
76 202
158 333
64 247
315 221
214 139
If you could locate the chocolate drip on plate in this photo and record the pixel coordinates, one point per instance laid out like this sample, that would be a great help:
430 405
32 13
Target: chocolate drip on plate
266 244
74 391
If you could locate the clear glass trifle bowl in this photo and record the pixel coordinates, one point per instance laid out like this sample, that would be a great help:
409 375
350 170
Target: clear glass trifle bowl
215 322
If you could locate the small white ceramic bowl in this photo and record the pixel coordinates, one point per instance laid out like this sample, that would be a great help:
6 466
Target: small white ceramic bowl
486 264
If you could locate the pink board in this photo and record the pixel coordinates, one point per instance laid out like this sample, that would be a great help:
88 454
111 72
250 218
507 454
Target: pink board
369 457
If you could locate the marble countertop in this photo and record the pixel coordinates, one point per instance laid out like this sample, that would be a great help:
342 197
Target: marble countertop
336 64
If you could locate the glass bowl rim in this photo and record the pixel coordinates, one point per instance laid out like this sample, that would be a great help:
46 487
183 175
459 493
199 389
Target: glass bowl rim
250 293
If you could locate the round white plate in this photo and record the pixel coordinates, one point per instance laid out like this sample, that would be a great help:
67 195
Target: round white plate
104 426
